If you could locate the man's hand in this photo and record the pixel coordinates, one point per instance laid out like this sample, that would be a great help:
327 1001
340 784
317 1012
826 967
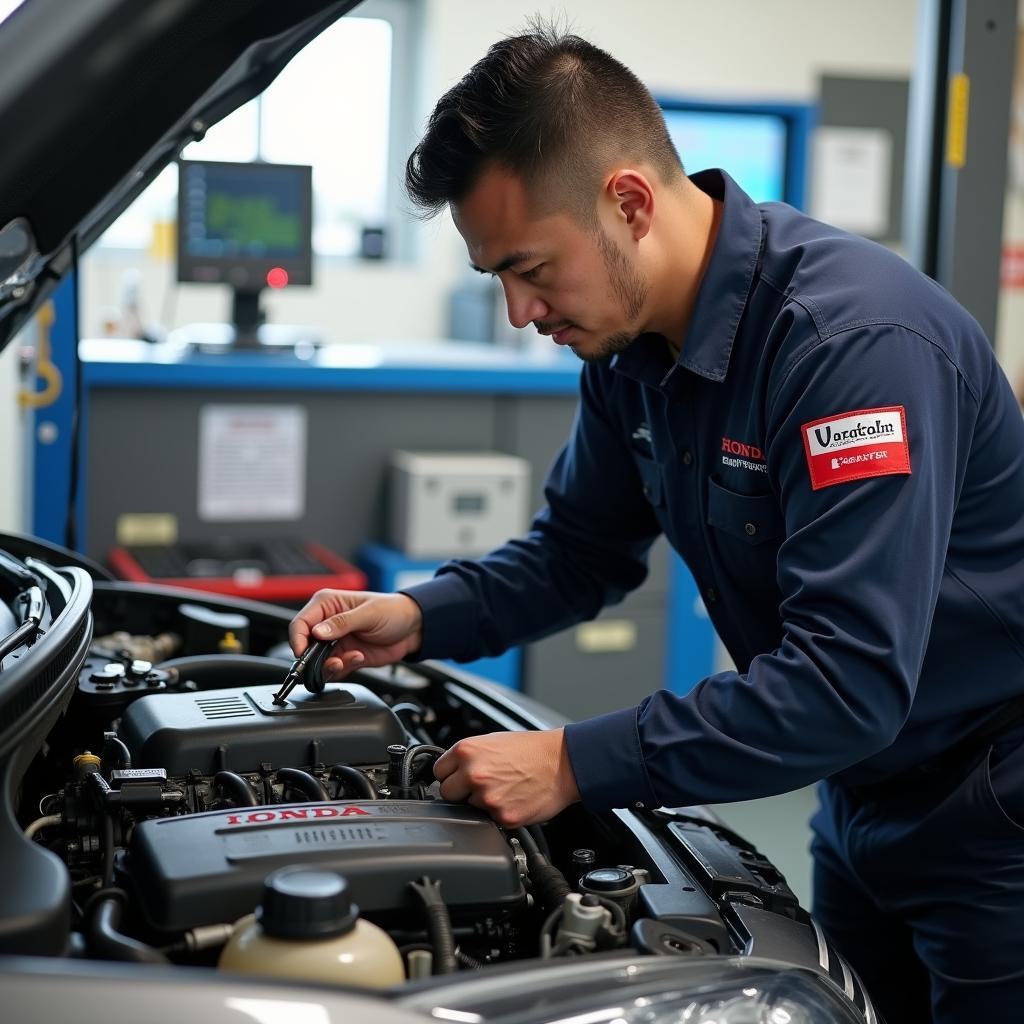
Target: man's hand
519 778
368 629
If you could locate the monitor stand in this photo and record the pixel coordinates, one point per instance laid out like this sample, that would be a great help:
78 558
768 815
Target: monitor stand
247 317
249 332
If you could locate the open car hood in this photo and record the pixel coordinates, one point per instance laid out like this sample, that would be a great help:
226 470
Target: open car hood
97 96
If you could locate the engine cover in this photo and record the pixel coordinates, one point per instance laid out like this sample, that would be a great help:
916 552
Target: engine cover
237 729
209 868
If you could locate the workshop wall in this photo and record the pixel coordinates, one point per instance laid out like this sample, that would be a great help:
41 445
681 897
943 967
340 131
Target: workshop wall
738 48
733 48
1010 322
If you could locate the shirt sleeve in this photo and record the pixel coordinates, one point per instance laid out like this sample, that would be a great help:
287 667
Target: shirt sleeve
859 574
587 548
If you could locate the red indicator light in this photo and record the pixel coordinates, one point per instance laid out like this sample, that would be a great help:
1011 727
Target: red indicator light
277 277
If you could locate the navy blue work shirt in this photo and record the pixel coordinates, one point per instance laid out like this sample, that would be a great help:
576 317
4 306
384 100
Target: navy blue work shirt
875 614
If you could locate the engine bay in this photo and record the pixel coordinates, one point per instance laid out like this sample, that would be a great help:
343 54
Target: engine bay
156 791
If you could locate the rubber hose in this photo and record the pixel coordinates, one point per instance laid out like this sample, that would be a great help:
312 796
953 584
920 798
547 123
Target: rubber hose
216 671
237 788
108 850
439 925
125 754
550 883
542 844
349 779
526 841
104 938
410 755
306 784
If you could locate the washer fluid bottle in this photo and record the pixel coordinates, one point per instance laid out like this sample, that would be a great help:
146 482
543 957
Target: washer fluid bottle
308 928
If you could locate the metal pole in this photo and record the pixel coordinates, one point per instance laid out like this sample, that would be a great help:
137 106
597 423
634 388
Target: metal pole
957 147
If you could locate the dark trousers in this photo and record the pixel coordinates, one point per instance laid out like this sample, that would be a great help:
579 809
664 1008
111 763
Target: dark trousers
922 890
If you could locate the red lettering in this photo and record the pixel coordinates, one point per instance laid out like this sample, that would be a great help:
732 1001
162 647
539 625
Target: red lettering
747 451
298 814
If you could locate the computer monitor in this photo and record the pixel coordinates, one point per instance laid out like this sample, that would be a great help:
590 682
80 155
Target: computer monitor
763 146
248 226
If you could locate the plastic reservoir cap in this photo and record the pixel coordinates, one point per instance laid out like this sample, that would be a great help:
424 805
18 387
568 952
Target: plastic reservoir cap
607 880
301 903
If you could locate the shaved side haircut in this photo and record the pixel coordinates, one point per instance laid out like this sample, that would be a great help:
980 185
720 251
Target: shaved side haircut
552 109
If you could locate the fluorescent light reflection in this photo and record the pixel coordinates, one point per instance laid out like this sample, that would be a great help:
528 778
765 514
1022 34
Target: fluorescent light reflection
459 1016
280 1011
606 1016
8 7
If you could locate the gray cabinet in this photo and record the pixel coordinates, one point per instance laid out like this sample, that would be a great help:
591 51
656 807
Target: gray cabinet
141 443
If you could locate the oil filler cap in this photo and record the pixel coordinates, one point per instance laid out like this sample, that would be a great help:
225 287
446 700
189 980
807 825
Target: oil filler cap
300 903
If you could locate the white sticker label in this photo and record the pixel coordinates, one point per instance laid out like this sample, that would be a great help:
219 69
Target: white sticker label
853 431
252 462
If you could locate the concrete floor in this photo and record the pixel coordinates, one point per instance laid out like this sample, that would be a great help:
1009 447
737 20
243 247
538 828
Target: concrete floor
777 826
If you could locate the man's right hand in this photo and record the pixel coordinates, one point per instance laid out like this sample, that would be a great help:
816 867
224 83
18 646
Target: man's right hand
368 629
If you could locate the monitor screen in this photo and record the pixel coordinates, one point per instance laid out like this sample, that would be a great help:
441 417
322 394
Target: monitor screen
750 146
245 225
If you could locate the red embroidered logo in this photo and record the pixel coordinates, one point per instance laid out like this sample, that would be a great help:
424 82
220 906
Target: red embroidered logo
744 451
856 445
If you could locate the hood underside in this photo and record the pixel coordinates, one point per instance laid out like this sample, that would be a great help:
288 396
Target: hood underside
97 96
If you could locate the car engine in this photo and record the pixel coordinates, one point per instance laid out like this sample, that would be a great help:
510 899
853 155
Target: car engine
157 794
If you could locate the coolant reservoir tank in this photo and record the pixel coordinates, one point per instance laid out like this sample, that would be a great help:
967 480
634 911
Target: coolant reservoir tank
308 928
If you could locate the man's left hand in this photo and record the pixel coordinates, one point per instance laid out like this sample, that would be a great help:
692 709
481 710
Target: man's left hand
519 778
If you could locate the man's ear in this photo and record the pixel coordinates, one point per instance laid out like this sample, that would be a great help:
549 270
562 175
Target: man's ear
631 194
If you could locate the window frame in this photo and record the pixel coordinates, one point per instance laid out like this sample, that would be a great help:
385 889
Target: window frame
405 18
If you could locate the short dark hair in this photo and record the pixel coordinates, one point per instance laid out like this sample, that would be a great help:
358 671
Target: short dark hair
549 107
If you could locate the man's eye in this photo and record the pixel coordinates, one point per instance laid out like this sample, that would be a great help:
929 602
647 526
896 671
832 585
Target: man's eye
531 274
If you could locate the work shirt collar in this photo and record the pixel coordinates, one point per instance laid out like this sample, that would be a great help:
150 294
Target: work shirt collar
721 299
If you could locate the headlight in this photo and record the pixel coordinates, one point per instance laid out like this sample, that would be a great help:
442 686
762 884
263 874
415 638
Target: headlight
655 990
787 998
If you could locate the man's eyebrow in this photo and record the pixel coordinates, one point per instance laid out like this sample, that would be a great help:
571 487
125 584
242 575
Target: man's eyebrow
508 262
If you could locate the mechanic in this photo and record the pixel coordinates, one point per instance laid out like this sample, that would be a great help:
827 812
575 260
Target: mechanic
826 438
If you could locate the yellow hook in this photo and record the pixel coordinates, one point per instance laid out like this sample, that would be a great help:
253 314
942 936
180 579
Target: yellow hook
45 368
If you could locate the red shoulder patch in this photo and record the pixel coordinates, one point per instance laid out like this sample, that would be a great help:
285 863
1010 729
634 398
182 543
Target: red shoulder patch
855 445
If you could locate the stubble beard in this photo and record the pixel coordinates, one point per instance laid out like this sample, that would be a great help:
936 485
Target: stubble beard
630 289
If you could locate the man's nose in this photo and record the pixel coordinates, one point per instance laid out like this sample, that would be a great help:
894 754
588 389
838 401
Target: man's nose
524 305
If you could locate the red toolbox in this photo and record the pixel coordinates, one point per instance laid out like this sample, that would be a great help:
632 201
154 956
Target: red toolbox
279 569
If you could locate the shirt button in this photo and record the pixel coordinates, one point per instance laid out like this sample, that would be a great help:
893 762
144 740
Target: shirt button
687 458
711 595
647 491
750 529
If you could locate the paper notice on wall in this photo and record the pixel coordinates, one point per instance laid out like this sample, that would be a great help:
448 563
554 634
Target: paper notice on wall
252 462
852 179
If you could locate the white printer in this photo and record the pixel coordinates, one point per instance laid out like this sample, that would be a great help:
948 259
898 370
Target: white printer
445 504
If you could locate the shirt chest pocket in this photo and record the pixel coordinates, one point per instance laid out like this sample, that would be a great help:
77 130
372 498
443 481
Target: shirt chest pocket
753 518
